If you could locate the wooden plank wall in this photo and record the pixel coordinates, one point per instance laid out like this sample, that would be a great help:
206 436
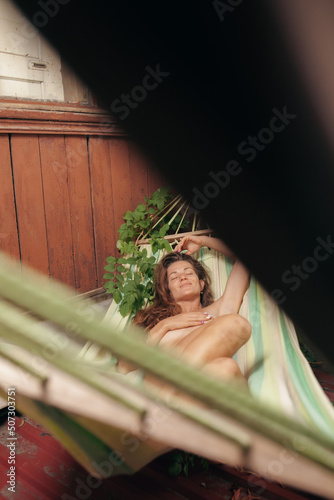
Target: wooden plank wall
62 198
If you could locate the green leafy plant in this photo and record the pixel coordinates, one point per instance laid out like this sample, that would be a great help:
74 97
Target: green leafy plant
130 277
182 462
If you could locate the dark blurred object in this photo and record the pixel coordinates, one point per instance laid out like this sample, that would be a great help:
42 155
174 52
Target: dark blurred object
223 96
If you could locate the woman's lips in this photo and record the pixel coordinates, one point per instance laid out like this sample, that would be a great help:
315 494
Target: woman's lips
185 284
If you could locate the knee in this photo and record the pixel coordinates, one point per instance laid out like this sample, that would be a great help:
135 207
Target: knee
231 368
237 325
225 367
242 326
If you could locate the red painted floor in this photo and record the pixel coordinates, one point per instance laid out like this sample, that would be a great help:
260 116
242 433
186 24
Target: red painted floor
45 471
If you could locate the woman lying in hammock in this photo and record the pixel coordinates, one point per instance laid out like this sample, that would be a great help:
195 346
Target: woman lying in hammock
184 317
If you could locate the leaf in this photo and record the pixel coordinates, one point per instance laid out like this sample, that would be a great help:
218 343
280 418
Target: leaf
131 299
137 278
111 260
163 231
120 278
123 234
124 309
154 246
130 286
122 260
144 267
143 224
117 296
160 204
175 469
131 260
110 286
127 216
123 227
108 276
167 246
110 267
121 269
137 215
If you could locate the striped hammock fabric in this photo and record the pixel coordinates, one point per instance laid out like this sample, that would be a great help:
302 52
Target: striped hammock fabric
278 373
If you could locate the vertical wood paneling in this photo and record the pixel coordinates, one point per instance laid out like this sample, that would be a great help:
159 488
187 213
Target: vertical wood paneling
29 202
139 175
102 202
70 201
9 241
121 179
57 209
81 213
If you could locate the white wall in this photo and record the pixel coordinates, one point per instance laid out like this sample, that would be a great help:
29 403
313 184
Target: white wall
29 67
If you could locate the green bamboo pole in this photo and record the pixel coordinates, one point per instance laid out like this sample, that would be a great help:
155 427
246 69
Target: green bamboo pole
174 202
177 212
194 222
30 335
131 347
183 217
21 364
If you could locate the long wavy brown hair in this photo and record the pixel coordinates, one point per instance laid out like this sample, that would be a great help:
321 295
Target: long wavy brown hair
164 305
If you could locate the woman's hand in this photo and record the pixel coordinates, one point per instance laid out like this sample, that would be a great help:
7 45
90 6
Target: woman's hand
182 320
194 243
190 244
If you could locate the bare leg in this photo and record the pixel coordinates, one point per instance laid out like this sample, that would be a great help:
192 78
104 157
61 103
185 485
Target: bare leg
211 347
222 337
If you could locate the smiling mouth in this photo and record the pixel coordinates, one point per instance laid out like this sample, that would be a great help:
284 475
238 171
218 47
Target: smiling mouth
185 284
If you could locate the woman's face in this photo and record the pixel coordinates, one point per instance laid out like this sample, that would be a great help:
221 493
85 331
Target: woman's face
183 282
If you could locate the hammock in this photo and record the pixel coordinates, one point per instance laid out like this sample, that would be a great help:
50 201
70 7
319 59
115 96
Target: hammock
278 373
112 424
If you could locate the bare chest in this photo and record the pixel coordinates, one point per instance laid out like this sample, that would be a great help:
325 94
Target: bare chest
173 336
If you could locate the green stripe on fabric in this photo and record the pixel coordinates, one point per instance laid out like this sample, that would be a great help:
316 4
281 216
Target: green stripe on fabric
302 386
256 378
228 264
97 452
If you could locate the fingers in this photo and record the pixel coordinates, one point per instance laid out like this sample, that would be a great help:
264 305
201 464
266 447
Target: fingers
182 243
207 317
179 246
201 318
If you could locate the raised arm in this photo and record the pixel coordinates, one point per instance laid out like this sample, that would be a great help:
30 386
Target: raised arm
238 280
192 244
236 286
